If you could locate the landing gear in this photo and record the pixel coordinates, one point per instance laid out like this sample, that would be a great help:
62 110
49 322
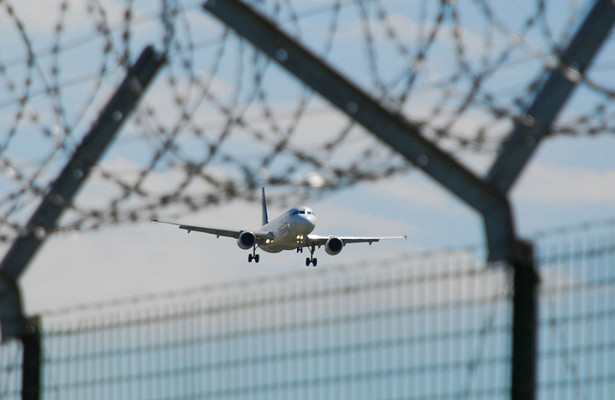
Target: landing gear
311 259
253 256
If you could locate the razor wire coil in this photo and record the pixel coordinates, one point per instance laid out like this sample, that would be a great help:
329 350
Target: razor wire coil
222 119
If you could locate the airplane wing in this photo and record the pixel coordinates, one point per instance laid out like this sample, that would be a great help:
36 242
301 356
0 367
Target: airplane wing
321 240
214 231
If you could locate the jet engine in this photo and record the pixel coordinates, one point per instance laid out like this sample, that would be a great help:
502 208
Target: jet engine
246 240
334 246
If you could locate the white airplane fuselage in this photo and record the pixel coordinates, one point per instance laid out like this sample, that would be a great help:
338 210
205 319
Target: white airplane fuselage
289 230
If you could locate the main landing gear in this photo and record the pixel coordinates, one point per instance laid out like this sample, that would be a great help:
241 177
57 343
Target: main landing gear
311 259
254 256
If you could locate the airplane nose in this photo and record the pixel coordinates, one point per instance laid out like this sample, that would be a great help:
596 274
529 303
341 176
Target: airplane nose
310 224
306 223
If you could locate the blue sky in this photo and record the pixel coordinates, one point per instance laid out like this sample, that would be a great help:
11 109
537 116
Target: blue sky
569 179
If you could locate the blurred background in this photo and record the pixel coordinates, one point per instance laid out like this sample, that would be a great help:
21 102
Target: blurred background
131 309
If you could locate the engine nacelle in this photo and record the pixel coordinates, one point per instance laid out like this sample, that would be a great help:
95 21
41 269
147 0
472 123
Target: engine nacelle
246 240
334 246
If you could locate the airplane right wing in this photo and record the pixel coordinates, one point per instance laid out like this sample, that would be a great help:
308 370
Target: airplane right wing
214 231
335 244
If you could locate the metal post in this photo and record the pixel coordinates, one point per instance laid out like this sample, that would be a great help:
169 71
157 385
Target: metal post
524 331
32 359
65 187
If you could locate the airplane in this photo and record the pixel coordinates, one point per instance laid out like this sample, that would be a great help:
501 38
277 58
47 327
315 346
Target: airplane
290 231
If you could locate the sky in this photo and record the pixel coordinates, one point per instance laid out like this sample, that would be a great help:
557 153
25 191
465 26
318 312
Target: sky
569 180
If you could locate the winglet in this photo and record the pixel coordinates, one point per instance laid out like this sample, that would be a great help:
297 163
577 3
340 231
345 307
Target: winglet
264 204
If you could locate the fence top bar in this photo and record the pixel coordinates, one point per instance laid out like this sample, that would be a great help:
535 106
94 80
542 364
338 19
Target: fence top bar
557 87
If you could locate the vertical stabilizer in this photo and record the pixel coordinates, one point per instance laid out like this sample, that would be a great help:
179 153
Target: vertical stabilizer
265 217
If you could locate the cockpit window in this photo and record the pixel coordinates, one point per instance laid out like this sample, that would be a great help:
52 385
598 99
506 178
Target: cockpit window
303 211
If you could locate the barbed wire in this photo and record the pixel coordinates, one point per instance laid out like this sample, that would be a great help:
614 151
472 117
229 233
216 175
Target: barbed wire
222 119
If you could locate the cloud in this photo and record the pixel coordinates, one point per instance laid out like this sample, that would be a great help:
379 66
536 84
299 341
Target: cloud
551 184
336 218
414 191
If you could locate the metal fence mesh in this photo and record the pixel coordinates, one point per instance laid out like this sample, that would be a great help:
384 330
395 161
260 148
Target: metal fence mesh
577 310
392 332
10 370
436 329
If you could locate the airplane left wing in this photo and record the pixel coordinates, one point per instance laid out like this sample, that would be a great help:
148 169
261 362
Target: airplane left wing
322 240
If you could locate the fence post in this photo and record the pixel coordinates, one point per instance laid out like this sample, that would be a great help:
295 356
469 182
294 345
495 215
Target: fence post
524 326
32 357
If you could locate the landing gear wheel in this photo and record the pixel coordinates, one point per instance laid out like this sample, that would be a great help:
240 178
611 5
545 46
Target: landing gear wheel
254 256
311 259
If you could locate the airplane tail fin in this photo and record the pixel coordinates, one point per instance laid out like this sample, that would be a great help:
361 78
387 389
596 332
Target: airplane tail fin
264 204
